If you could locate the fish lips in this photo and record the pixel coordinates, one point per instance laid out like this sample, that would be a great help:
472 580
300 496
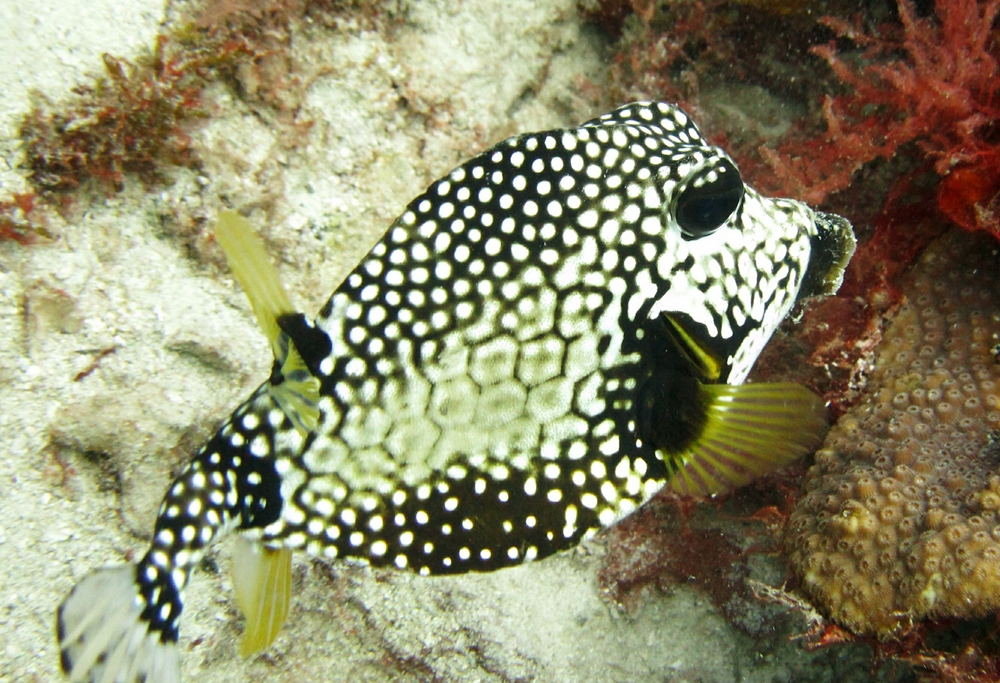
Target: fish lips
832 247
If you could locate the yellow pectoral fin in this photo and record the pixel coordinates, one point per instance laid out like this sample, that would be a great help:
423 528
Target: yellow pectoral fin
253 270
262 578
750 430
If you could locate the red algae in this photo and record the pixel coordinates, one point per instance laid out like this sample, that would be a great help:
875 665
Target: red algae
18 219
710 545
127 122
939 101
136 118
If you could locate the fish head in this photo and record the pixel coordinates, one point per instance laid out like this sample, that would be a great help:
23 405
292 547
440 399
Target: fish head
734 262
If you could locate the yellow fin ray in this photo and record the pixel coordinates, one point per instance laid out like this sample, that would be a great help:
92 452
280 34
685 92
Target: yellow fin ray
750 430
253 270
298 394
262 579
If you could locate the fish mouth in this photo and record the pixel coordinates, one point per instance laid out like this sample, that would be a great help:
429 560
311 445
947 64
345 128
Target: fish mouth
831 249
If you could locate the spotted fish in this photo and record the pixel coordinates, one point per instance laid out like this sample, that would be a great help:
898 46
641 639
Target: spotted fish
542 340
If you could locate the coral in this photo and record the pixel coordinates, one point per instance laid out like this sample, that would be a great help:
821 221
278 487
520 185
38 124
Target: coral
942 95
901 516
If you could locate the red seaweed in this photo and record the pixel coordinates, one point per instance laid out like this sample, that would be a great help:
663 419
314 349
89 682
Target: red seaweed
930 89
135 119
710 545
127 122
18 219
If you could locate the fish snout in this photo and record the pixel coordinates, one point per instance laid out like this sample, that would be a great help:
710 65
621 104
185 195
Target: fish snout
831 248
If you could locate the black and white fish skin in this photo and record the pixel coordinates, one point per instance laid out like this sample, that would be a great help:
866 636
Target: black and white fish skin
489 373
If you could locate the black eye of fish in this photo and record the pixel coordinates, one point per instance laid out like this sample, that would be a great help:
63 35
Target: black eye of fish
709 199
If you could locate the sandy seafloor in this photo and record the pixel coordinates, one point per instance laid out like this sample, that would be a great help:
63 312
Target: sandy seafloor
390 111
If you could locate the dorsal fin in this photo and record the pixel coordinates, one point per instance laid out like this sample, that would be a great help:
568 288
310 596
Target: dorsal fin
297 390
253 270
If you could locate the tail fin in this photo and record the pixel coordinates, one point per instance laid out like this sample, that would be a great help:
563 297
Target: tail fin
103 637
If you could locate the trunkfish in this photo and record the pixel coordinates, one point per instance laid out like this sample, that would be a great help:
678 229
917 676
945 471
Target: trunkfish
544 338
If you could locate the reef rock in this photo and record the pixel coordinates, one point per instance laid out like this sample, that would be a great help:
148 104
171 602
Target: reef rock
901 514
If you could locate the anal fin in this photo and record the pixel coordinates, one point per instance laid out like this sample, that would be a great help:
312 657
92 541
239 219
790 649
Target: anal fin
262 579
750 430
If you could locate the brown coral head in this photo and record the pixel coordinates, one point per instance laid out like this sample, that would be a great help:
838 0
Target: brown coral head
902 518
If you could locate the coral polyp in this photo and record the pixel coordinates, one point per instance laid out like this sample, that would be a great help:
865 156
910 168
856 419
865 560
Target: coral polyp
901 517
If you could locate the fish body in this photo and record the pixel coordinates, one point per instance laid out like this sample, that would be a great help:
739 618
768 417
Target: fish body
542 340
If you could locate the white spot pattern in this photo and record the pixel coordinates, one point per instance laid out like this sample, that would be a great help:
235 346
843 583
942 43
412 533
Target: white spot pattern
480 399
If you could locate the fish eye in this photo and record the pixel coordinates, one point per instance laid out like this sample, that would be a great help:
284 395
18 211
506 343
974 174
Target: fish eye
710 197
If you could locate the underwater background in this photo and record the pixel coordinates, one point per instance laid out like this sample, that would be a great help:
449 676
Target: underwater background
126 126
